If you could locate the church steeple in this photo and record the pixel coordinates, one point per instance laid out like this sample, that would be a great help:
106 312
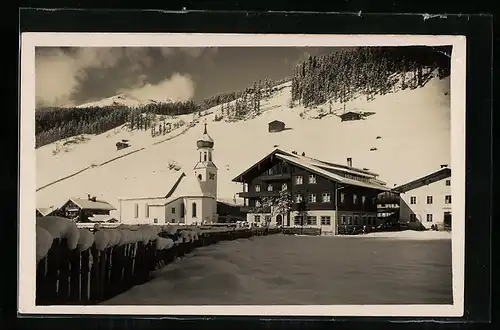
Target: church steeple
205 170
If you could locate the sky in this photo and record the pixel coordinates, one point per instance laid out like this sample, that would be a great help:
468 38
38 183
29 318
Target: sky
73 76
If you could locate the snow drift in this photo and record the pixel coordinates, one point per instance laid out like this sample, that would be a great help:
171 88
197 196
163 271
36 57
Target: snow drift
164 243
59 227
43 242
86 240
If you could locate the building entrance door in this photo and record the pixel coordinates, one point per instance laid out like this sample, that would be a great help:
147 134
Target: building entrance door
447 219
288 220
279 220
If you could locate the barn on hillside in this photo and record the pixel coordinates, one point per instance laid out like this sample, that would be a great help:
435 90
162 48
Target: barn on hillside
276 126
351 116
122 145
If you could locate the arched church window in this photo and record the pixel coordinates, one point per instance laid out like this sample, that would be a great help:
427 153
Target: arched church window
200 156
193 210
199 176
205 156
210 156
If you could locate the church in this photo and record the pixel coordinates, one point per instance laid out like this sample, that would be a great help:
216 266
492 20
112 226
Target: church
190 199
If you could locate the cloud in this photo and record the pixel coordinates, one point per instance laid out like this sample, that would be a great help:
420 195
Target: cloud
177 87
60 72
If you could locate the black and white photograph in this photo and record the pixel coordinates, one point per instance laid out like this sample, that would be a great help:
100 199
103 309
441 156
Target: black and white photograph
307 175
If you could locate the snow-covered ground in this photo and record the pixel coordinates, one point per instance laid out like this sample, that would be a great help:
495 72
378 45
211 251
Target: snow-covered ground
413 125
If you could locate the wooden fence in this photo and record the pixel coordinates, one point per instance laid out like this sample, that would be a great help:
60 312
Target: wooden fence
68 276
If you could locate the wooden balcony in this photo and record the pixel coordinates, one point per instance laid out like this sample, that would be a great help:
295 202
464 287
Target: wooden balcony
276 177
250 194
248 209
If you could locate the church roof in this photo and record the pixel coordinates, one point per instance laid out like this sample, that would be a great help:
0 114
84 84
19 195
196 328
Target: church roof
184 186
190 186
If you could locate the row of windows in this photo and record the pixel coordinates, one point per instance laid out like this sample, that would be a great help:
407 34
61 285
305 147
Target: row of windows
312 220
281 169
325 198
447 199
270 187
299 179
146 210
355 220
428 217
413 217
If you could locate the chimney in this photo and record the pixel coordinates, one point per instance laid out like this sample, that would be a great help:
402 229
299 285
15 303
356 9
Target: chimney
349 161
303 154
88 196
444 165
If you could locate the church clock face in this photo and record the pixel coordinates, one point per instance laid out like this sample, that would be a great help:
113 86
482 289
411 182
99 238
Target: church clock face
211 176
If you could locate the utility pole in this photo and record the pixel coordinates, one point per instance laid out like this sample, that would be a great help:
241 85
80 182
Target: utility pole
301 207
337 206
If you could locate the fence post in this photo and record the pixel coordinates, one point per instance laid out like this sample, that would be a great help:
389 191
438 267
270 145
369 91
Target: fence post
75 276
42 287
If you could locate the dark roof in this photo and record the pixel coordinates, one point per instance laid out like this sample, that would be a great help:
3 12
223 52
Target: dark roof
275 121
425 180
44 211
321 168
86 204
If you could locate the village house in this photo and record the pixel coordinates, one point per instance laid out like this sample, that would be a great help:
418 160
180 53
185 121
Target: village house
82 209
187 199
426 201
45 211
122 145
230 212
332 195
276 126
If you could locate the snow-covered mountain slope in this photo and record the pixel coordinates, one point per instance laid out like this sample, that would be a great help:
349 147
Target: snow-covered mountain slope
124 99
413 127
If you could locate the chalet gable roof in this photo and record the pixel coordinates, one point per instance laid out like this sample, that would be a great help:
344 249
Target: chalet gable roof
350 113
320 168
86 204
331 176
425 180
44 211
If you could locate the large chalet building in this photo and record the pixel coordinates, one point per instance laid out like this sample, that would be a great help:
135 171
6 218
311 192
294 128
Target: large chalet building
323 194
